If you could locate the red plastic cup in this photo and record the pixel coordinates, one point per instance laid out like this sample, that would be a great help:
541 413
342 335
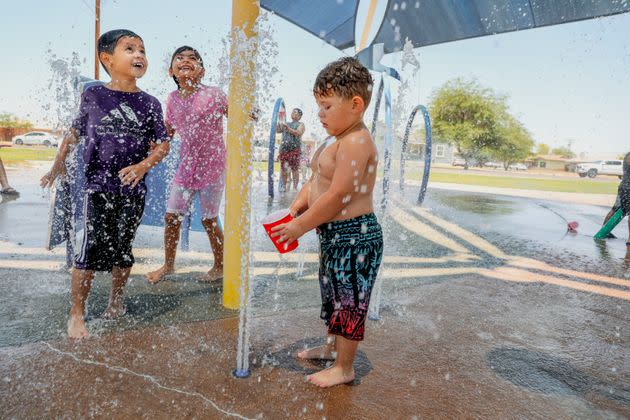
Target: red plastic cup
278 218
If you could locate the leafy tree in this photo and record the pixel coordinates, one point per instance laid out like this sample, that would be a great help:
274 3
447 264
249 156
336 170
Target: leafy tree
465 115
515 142
563 151
11 121
542 149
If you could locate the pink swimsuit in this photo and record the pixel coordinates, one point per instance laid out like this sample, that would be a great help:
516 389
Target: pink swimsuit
198 119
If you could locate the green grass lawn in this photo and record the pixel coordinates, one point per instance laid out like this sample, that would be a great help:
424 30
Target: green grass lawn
12 155
577 185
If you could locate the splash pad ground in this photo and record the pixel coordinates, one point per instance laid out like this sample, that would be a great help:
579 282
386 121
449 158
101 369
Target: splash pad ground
480 317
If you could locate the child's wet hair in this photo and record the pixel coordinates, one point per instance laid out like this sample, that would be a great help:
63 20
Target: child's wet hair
108 41
181 50
299 111
346 77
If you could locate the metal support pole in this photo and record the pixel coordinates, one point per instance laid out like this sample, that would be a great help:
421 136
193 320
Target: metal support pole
239 150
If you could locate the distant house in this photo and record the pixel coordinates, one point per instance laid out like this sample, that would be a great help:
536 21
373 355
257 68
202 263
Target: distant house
440 152
553 163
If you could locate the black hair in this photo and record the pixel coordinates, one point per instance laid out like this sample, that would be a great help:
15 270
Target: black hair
181 50
299 111
108 41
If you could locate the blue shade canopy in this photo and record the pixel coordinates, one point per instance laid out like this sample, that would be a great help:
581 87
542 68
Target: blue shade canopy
428 22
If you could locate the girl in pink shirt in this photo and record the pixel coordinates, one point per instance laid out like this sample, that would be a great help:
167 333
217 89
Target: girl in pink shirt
196 113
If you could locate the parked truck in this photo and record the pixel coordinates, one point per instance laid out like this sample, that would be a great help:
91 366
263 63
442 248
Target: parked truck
600 167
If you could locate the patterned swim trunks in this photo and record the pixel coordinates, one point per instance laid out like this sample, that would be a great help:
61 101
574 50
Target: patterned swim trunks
290 160
350 256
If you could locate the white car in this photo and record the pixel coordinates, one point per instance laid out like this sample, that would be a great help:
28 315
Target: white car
38 138
600 167
518 167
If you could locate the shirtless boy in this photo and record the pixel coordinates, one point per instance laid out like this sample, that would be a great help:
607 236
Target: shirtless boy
337 200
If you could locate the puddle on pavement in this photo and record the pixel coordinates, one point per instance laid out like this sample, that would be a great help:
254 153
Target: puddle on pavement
477 204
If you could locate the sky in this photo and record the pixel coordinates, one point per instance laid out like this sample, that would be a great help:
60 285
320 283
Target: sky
566 83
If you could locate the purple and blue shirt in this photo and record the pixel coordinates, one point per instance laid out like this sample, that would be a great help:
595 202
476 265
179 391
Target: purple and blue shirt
119 128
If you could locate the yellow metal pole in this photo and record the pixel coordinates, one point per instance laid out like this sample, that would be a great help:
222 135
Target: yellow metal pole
239 133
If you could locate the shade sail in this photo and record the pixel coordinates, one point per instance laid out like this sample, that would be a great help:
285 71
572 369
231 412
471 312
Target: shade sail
428 22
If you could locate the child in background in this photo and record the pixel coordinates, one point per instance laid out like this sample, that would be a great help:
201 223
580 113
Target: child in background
125 137
337 200
291 150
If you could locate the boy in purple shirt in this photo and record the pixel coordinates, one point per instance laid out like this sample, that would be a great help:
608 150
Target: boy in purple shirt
124 138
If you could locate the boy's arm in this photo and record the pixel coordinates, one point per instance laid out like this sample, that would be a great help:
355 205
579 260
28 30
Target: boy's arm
300 203
71 138
169 130
132 175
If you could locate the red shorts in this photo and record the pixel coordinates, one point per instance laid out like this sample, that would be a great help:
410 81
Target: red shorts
290 159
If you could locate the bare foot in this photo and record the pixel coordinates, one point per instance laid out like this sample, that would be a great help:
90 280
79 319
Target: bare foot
76 327
114 310
330 377
157 275
215 273
325 352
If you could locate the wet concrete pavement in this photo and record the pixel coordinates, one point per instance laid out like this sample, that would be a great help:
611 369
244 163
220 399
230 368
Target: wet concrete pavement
488 310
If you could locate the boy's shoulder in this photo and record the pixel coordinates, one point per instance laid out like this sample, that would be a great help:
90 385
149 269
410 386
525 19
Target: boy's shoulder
361 139
149 97
99 89
93 89
148 102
